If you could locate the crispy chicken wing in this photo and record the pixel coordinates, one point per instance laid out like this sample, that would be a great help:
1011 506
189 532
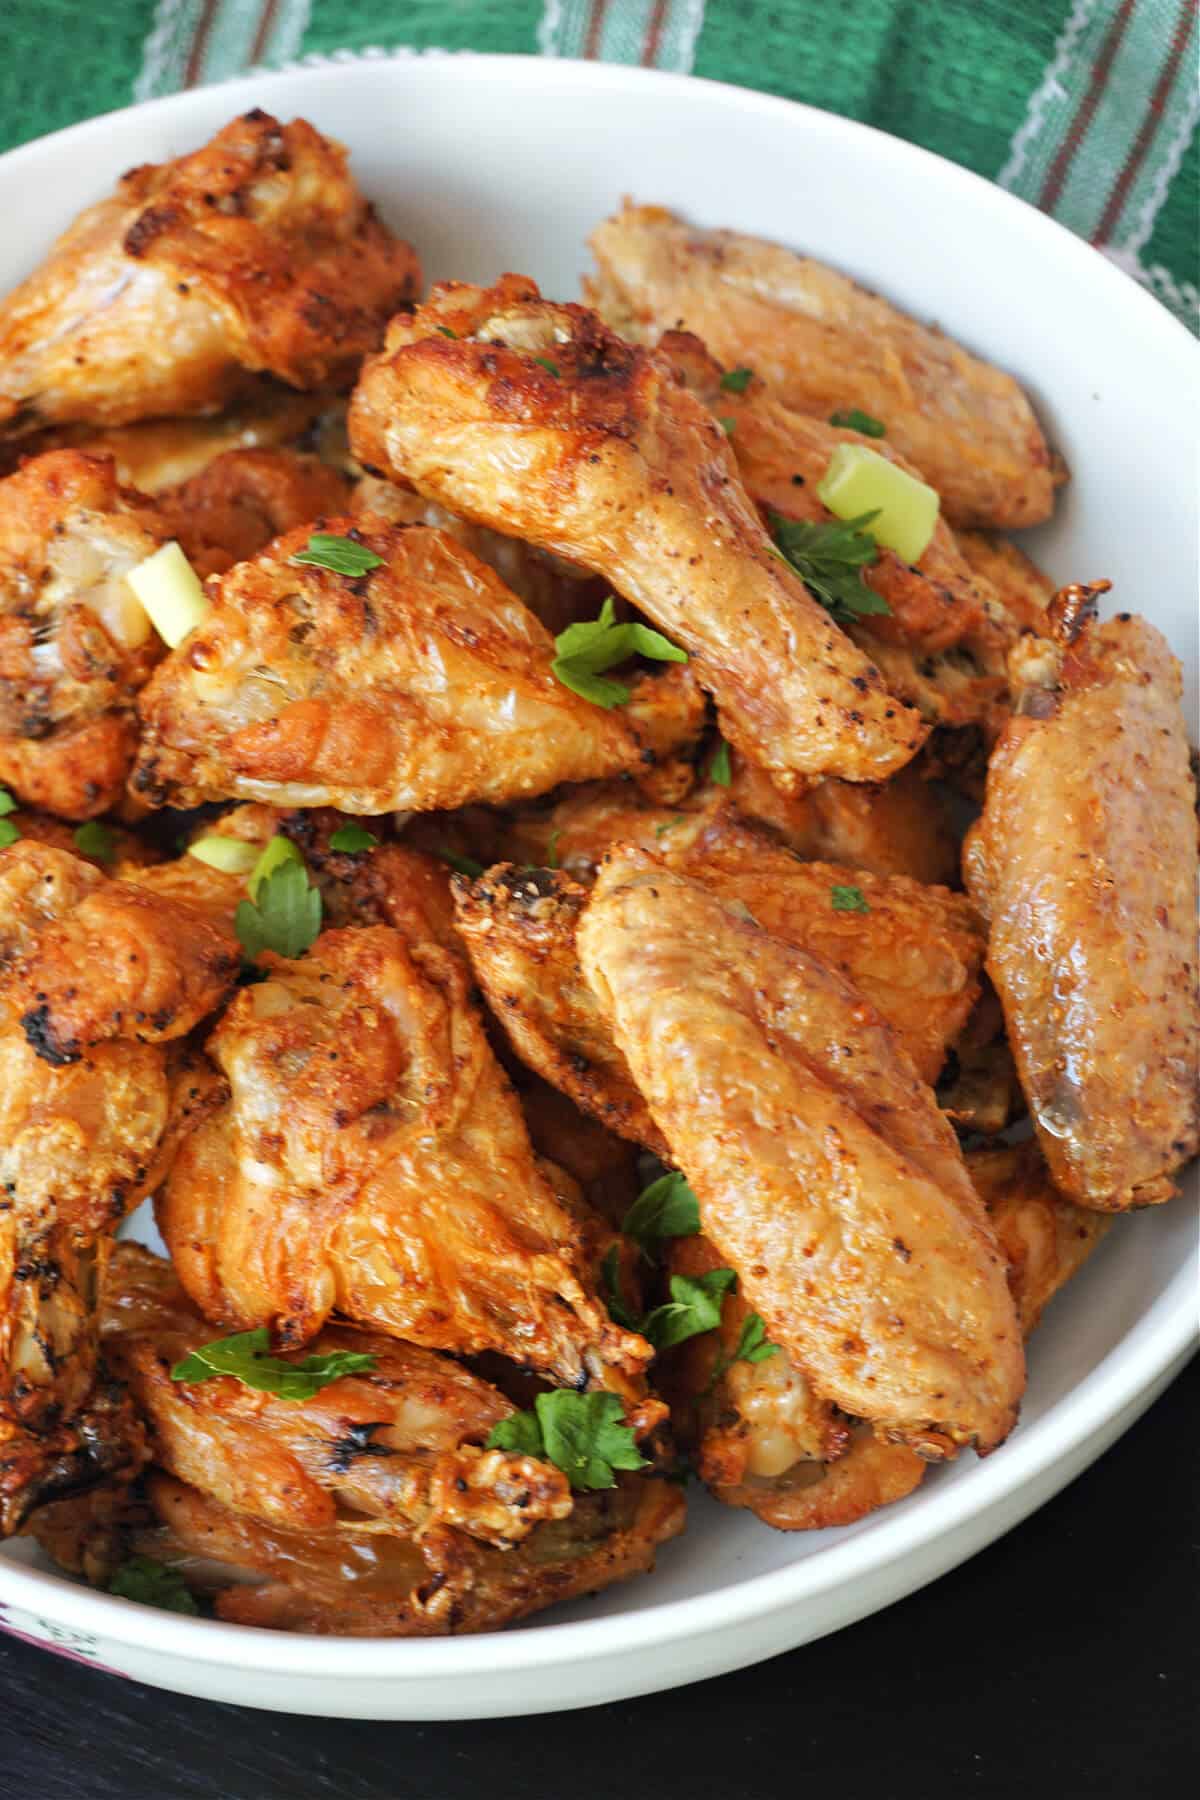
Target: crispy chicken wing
75 645
402 1441
1024 590
423 684
825 1173
915 954
824 344
238 502
1044 1236
372 1160
356 1580
112 960
535 419
1084 862
256 253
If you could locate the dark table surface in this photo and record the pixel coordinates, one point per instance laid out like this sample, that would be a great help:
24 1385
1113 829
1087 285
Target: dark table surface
1060 1662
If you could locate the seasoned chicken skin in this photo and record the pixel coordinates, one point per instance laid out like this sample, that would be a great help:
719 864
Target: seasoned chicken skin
914 953
825 344
237 503
353 1580
75 645
402 1441
112 960
421 685
826 1175
1084 862
372 1161
255 254
535 419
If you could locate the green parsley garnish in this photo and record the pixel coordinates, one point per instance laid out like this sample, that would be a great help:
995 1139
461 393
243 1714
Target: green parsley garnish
666 1209
8 831
283 913
7 803
848 899
719 769
736 381
350 839
465 865
668 825
752 1347
584 1435
545 363
584 650
246 1355
694 1306
95 839
153 1584
446 331
854 420
728 426
341 555
829 559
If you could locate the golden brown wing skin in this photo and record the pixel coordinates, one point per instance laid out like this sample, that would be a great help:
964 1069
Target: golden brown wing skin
421 685
825 1173
825 344
118 851
402 1441
900 828
604 458
256 253
75 645
519 928
119 962
102 1448
1044 1236
1084 862
353 1581
372 1160
237 503
1024 590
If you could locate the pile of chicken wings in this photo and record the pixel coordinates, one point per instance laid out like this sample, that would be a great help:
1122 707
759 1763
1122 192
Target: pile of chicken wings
563 974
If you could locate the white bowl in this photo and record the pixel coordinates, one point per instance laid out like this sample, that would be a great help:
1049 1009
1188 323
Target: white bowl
493 163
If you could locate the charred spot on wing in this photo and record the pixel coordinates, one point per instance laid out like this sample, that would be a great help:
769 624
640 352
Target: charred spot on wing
43 1040
355 1442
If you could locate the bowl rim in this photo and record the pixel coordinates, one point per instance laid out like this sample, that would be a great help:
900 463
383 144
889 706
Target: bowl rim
1158 1342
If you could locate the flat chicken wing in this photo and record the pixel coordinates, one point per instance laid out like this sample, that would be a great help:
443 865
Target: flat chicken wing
421 685
826 1175
535 419
1084 863
353 1580
372 1160
401 1440
111 960
253 255
75 645
825 345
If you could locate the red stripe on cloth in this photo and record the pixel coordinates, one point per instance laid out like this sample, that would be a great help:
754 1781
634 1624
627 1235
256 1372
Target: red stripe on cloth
1150 124
1056 178
654 33
195 61
266 26
591 45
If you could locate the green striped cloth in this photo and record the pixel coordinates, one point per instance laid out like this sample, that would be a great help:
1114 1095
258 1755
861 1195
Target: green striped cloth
1087 108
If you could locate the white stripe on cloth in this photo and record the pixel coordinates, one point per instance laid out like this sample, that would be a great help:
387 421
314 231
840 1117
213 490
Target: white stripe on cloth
1037 139
568 26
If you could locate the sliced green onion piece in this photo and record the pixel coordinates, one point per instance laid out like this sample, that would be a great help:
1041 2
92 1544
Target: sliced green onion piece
280 850
233 856
170 592
859 480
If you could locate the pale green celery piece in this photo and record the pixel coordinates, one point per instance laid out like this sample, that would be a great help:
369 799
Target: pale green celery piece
859 480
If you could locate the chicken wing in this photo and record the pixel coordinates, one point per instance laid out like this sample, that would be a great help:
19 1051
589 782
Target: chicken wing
826 1175
75 645
401 1441
1045 1237
1024 590
255 254
355 1581
372 1160
825 344
236 504
1084 862
111 960
423 684
534 419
